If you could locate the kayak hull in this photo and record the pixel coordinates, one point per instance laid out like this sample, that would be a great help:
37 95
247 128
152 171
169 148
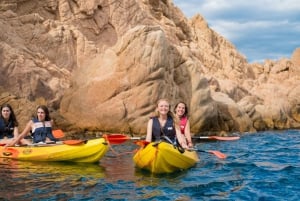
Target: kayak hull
164 158
89 152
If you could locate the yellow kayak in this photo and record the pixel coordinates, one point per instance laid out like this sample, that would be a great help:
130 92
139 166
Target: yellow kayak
163 157
88 152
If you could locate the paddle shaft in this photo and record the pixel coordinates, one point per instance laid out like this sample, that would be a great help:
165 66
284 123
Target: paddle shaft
216 138
202 137
137 138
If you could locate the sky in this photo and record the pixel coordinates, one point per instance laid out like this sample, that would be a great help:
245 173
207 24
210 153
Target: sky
259 29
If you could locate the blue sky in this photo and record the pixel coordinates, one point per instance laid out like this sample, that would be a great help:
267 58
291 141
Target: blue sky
259 29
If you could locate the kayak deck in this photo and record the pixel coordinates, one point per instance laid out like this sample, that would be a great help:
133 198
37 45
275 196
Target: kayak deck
164 158
89 152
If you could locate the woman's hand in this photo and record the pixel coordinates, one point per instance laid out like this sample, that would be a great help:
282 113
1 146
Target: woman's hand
190 144
182 143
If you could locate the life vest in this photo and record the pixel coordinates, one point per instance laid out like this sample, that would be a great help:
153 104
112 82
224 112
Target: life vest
168 130
6 130
183 121
41 130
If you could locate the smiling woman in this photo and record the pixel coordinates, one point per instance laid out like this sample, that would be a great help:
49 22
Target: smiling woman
181 111
240 21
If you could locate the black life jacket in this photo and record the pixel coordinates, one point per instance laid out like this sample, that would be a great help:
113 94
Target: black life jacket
42 130
168 129
6 130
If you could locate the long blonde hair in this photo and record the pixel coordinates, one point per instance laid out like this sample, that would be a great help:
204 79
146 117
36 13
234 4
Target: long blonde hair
170 113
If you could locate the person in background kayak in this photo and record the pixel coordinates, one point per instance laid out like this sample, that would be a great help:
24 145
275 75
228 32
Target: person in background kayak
9 125
41 127
163 123
181 111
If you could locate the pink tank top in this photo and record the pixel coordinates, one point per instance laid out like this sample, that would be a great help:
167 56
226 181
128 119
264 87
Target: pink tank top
183 121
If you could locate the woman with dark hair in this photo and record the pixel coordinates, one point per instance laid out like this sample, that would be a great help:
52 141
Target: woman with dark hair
181 111
8 124
164 124
41 127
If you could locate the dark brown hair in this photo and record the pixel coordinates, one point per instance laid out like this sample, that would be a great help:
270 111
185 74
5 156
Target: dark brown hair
186 108
12 116
46 110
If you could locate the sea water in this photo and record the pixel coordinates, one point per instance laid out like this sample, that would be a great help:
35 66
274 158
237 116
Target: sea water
263 166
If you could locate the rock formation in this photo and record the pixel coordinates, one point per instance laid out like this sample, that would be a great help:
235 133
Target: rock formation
102 65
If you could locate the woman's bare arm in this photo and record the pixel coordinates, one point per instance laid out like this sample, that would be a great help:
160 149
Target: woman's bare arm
187 133
180 138
149 131
22 135
16 132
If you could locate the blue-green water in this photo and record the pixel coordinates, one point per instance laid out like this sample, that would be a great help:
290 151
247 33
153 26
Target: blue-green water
262 166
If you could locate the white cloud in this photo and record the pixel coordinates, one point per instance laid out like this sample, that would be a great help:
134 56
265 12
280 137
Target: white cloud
210 6
258 28
236 30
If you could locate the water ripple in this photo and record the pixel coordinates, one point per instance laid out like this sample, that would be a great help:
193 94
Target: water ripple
262 166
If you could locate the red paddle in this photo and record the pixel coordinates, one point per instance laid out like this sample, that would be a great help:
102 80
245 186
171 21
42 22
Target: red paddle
60 134
119 138
215 152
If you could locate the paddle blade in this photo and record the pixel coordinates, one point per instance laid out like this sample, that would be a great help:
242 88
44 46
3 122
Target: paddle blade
225 138
217 153
116 138
58 133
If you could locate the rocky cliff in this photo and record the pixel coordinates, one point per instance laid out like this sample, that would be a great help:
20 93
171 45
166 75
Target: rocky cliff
101 65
